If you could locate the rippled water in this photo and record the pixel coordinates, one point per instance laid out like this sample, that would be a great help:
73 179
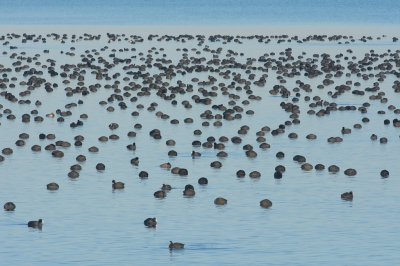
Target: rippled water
88 223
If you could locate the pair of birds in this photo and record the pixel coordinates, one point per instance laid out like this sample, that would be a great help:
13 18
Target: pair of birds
152 222
9 206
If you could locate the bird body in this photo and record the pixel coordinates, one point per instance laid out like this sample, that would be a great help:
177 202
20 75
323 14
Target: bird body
117 185
347 195
135 161
220 201
150 222
131 147
113 126
195 154
160 194
38 223
53 186
189 192
9 206
175 245
166 187
165 165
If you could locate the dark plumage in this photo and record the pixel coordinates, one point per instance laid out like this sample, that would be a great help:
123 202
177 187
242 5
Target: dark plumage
131 147
347 195
203 181
160 194
113 126
195 154
117 185
220 201
150 222
189 192
175 245
166 187
278 175
53 186
265 203
165 165
189 186
9 206
35 223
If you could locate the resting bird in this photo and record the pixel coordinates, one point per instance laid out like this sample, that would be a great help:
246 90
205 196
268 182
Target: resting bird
150 222
9 206
35 223
117 185
113 126
347 195
175 245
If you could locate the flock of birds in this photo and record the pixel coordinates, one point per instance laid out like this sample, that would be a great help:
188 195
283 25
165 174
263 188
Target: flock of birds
138 65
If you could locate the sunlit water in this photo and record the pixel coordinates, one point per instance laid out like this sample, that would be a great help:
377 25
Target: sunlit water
87 223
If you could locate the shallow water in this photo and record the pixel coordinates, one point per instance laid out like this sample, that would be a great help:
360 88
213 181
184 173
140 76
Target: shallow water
88 223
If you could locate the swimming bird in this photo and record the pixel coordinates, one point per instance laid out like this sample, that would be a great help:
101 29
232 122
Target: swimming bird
166 187
203 181
346 130
35 223
135 161
160 194
117 185
150 222
220 201
50 115
175 245
347 195
195 154
188 187
165 165
189 192
113 126
9 206
131 147
265 203
53 186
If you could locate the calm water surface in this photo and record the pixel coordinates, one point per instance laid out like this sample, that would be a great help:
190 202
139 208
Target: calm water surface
206 12
87 223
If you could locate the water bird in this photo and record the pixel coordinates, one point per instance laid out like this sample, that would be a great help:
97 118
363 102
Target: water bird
150 222
113 126
265 203
53 186
220 201
117 185
9 206
165 165
196 154
166 187
347 195
175 245
38 223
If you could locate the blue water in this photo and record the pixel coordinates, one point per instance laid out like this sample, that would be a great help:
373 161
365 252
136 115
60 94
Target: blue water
203 13
87 223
